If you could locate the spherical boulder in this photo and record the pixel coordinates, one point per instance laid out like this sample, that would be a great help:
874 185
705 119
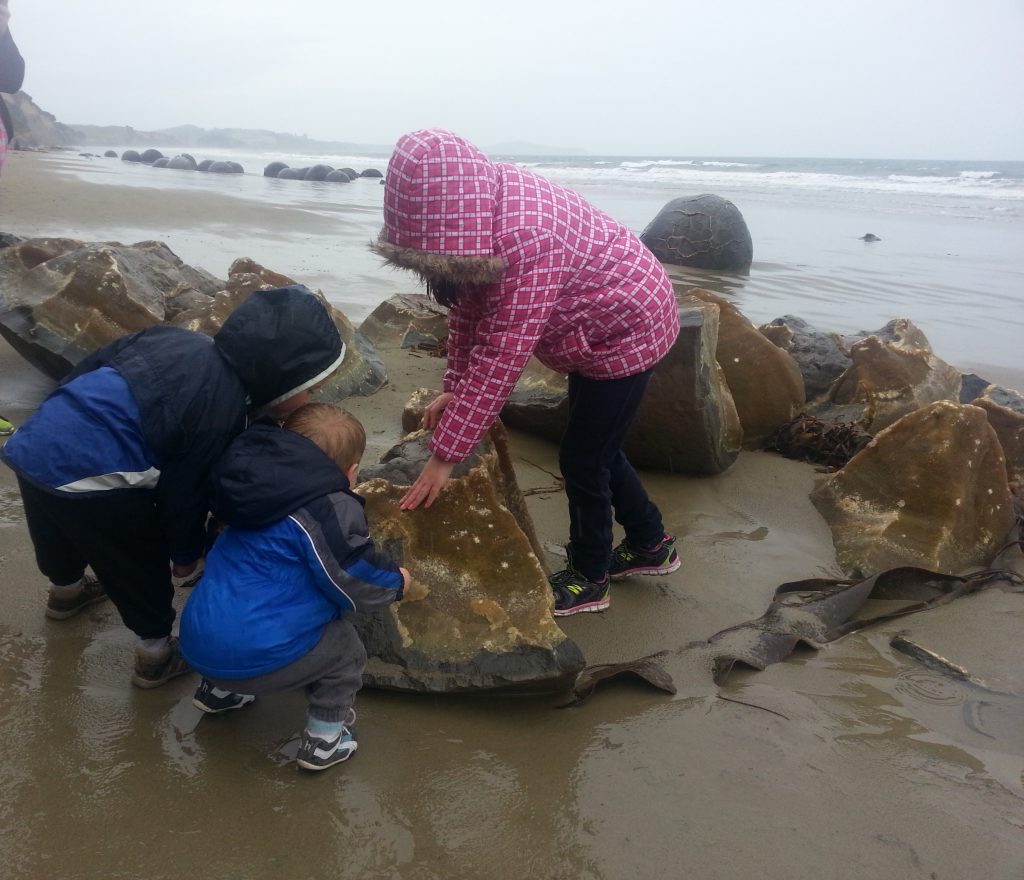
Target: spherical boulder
289 174
110 154
351 172
184 162
706 232
318 172
371 172
162 162
337 176
221 168
236 168
204 165
130 156
150 156
274 169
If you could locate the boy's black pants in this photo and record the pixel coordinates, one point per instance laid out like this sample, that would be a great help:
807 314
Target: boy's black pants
117 534
599 477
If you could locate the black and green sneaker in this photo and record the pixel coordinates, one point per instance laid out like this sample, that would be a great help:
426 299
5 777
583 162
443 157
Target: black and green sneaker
575 594
628 560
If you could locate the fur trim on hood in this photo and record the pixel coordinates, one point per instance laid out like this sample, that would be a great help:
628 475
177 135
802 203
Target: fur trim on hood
460 270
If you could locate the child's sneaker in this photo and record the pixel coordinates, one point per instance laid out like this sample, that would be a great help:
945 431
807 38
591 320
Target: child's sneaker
319 754
6 428
213 700
153 671
627 560
92 591
575 594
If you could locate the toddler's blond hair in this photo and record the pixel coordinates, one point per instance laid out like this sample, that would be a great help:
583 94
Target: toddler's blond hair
335 430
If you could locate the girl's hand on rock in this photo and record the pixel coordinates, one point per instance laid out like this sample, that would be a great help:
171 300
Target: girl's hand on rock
428 484
432 414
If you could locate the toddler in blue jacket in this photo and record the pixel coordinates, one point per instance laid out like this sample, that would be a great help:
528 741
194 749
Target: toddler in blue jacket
294 559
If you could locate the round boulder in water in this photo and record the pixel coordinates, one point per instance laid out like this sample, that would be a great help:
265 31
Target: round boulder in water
337 176
351 172
371 172
274 169
131 156
110 154
221 168
162 162
706 232
204 165
150 156
318 172
289 174
184 162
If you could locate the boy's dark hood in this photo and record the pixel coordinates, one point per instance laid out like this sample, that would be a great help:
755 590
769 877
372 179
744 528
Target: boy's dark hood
269 472
280 342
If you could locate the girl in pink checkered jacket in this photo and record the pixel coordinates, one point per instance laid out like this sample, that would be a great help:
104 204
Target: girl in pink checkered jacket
525 268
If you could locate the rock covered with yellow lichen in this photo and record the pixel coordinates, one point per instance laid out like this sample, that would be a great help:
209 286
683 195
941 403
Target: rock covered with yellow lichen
485 622
929 491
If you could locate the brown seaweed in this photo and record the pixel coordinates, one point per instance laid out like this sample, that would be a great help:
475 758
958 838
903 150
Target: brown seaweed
817 611
647 669
806 438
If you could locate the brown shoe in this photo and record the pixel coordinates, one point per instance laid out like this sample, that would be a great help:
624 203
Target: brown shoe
61 609
151 672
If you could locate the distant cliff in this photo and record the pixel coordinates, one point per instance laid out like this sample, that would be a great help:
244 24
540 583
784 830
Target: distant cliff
35 129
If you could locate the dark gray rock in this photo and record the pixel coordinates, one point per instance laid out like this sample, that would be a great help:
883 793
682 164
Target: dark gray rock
274 168
318 172
337 176
150 156
822 357
371 172
110 154
870 236
972 386
289 174
162 162
7 239
204 165
131 156
184 162
225 168
706 232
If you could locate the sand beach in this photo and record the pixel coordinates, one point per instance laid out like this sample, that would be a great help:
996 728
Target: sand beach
853 761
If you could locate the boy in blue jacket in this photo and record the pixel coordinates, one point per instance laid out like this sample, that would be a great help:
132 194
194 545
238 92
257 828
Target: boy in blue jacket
295 559
113 466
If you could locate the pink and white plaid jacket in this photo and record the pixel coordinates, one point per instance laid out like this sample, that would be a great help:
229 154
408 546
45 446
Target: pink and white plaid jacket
541 272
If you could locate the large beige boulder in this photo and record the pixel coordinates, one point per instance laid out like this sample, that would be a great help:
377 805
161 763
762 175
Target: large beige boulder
687 422
928 491
61 299
893 372
486 622
1005 411
407 319
361 373
764 380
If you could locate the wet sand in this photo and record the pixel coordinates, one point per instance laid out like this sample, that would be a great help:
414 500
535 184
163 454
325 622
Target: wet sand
867 764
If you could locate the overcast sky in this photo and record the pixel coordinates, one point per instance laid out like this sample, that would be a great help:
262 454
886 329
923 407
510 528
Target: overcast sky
869 78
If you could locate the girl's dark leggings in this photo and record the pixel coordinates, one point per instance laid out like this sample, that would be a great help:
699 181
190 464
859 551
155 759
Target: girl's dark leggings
599 477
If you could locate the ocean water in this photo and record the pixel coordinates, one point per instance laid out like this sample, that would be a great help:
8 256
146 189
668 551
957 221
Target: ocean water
951 255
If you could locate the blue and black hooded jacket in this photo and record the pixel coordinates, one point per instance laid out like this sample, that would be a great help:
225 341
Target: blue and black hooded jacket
296 555
154 410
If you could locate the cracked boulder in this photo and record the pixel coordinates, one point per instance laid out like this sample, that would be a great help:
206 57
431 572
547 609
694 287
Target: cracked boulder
706 232
821 357
1005 411
687 422
928 491
765 381
410 320
893 372
361 373
485 622
61 299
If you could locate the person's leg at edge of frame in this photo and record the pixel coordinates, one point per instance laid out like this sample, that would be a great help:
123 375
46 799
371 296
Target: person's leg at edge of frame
327 738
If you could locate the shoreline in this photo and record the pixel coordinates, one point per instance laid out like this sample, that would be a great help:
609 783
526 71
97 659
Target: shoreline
846 762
